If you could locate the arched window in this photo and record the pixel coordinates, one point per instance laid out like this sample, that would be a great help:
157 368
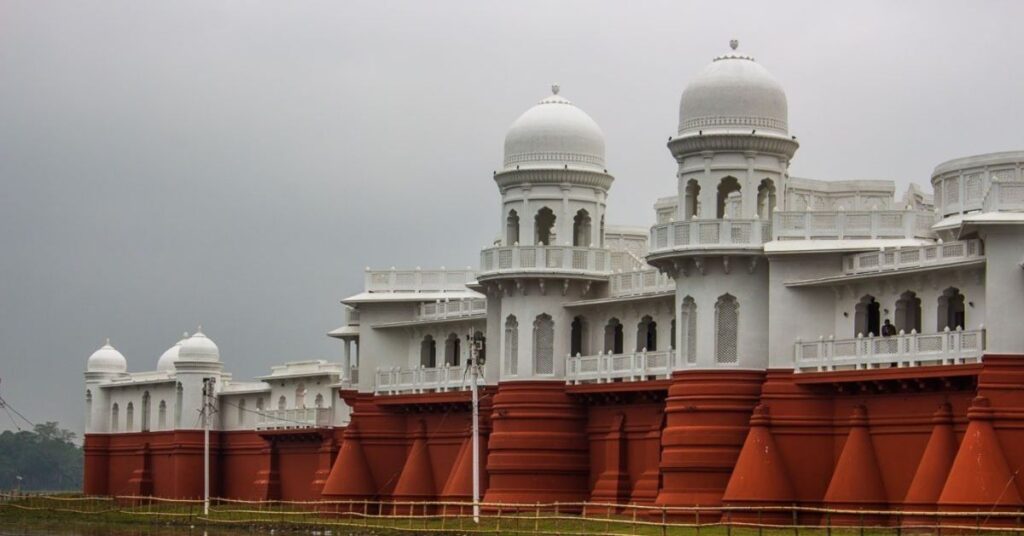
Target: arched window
908 312
259 404
544 227
177 406
512 228
115 418
511 345
692 200
300 396
688 317
613 336
672 335
162 415
726 188
765 199
951 309
578 336
647 334
543 345
129 417
241 412
281 402
726 329
452 350
145 411
581 229
482 353
866 317
319 401
88 409
428 352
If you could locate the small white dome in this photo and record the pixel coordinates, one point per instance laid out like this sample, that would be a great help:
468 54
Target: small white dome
552 134
198 347
166 361
733 93
106 359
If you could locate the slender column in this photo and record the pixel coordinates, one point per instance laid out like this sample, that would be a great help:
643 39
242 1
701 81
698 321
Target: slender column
566 233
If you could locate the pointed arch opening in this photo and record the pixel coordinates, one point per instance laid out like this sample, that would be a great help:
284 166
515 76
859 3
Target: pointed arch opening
161 421
544 227
300 396
512 228
613 337
88 409
543 345
728 197
867 317
726 329
318 402
765 199
115 418
282 402
647 334
428 352
129 417
452 350
951 312
581 229
178 395
511 345
145 411
578 336
691 199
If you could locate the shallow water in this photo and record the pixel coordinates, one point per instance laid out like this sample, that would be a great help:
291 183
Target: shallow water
113 530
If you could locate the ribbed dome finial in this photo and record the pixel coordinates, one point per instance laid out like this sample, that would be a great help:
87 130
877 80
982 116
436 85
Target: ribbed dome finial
734 44
555 88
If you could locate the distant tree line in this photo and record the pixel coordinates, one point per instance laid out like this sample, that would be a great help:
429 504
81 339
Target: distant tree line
45 458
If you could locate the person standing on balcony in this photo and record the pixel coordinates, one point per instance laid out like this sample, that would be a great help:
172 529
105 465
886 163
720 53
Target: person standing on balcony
888 330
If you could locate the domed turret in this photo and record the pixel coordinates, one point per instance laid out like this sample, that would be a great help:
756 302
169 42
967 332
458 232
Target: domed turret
733 93
107 359
170 356
553 134
198 347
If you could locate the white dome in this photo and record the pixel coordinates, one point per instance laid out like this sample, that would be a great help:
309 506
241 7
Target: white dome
552 134
733 93
198 347
106 359
166 361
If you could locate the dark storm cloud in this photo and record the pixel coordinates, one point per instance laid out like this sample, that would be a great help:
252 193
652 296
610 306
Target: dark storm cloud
237 164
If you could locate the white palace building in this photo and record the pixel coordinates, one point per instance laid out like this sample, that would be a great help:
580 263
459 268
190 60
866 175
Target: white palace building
745 269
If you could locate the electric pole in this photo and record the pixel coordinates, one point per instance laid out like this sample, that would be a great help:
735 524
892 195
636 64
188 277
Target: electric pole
475 345
207 412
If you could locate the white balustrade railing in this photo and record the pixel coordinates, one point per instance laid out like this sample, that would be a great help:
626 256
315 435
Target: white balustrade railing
892 259
606 368
561 259
950 347
417 280
274 419
1004 195
639 282
851 225
400 380
442 310
704 234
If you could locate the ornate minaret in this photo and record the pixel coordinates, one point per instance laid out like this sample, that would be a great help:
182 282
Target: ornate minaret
733 149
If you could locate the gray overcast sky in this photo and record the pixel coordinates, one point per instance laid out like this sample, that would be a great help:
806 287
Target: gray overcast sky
237 164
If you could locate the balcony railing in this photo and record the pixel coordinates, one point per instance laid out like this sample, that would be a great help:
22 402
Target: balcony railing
443 310
606 368
1004 195
417 280
543 259
639 282
709 234
280 419
937 255
852 225
399 380
950 347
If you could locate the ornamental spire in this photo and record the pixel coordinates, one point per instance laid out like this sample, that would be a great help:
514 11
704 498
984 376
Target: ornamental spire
734 44
555 88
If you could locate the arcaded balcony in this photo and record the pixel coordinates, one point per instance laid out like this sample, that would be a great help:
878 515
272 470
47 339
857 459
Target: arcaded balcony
1004 196
949 253
287 419
401 380
702 235
555 260
639 282
853 225
450 310
950 347
608 368
417 281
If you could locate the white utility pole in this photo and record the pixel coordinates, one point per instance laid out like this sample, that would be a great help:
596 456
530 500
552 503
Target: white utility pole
207 414
474 371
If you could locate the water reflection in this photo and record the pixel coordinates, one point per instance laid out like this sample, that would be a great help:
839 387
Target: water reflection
116 530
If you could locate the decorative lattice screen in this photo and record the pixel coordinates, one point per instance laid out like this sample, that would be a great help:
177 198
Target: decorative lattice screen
543 345
726 329
511 346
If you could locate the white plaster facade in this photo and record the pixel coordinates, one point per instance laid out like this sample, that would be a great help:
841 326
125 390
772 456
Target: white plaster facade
745 267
